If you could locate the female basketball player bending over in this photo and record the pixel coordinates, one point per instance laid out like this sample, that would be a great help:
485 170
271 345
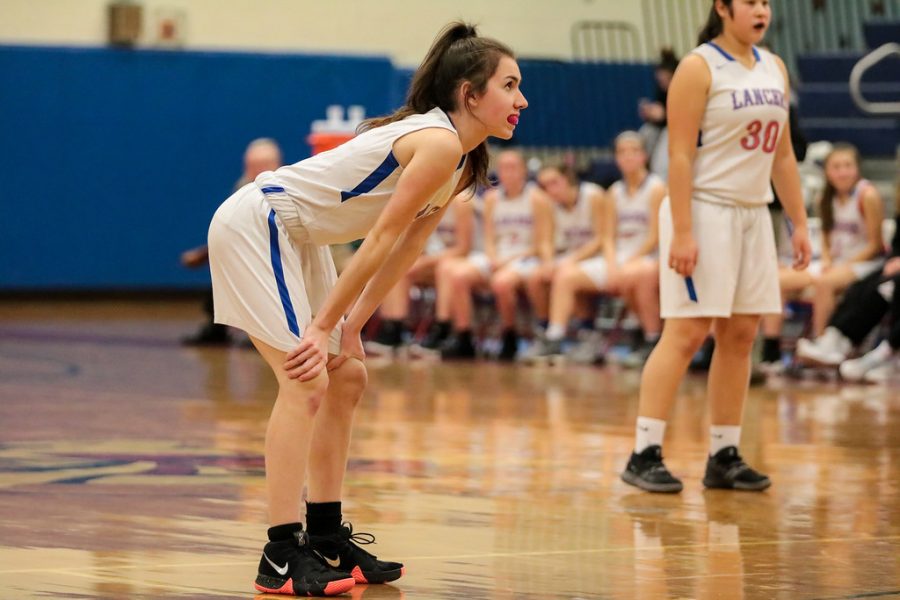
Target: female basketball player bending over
274 278
728 138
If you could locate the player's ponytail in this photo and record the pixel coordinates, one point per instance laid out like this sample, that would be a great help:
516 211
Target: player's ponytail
457 55
714 25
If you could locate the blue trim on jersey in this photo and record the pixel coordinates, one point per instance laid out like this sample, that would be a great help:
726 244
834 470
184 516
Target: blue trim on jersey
279 276
368 184
274 189
756 54
721 51
462 161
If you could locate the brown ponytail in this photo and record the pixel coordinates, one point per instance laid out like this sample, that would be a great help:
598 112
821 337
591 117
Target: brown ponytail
714 25
457 55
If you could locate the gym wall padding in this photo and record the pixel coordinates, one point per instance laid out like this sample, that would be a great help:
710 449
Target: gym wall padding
113 161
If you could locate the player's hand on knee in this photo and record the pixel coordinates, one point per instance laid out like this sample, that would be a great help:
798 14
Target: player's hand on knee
351 347
683 254
307 360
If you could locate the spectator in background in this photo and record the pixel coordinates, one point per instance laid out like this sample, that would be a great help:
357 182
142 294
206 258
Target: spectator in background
262 154
852 246
452 238
862 309
653 114
516 218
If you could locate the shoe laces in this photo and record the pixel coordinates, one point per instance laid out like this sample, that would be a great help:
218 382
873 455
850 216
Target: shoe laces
359 537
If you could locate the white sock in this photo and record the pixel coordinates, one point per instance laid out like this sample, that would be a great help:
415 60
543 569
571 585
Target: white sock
649 432
555 332
722 436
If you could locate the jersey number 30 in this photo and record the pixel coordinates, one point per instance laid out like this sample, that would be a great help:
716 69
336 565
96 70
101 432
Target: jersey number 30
769 139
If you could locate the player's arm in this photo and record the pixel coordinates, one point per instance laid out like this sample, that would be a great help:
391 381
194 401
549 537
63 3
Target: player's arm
610 224
652 240
595 244
399 260
490 241
786 178
544 226
873 211
686 104
429 168
464 225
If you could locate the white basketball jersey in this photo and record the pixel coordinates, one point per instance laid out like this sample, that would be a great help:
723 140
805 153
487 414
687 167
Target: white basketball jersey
336 196
513 223
574 226
632 214
849 236
745 116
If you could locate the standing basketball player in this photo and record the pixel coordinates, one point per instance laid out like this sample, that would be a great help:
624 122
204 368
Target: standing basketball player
274 278
727 108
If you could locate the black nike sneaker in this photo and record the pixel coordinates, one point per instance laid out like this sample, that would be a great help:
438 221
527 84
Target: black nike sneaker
292 567
647 471
341 551
727 470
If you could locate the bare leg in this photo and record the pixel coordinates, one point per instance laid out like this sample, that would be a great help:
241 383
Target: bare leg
681 338
395 305
538 294
645 296
826 289
288 436
505 283
729 373
331 431
567 282
463 276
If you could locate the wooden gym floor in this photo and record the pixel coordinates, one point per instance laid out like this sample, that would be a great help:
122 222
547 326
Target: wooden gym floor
131 467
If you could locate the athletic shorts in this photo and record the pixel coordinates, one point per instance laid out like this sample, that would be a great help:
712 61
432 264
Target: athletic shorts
737 264
596 270
523 266
263 282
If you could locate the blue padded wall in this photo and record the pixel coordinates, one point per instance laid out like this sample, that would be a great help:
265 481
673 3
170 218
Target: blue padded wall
113 161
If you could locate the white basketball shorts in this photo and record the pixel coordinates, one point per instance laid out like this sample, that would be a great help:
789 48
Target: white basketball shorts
737 264
263 282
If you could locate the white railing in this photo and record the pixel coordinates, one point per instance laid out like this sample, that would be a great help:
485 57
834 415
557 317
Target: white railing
856 75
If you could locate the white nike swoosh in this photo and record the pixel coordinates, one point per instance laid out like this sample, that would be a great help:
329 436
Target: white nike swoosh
281 570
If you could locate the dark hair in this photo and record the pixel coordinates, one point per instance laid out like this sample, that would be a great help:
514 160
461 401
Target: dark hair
458 54
826 206
668 60
564 169
714 23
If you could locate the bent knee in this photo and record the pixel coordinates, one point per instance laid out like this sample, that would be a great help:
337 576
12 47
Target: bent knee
308 394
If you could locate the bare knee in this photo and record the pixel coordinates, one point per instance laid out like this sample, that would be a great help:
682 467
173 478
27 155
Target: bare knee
737 337
306 395
348 382
503 284
686 338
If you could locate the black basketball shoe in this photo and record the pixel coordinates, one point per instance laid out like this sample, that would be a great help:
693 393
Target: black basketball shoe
292 567
342 552
647 471
727 470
